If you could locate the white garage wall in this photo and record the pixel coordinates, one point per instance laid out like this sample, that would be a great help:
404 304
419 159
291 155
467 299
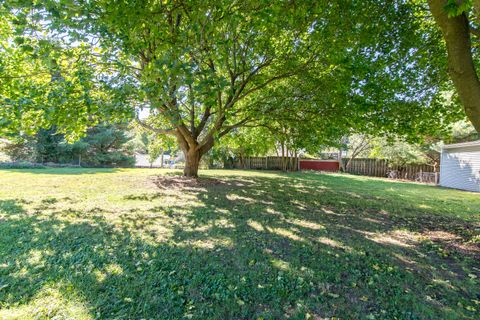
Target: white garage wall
460 168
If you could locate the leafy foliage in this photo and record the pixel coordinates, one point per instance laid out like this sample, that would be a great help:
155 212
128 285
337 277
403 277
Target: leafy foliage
203 68
152 144
399 153
46 83
107 146
244 142
103 145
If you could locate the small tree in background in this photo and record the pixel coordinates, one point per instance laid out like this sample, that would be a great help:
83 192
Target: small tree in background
242 143
154 145
398 153
355 145
107 146
158 145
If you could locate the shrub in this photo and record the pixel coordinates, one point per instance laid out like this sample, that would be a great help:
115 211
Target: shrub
21 165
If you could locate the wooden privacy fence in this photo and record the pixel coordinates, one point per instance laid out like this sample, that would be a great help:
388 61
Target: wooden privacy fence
366 167
275 163
382 168
265 163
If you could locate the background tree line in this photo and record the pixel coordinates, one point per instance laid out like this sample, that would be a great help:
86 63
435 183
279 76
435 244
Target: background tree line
102 146
259 142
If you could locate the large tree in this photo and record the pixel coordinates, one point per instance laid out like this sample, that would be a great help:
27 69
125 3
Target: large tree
204 68
194 62
458 21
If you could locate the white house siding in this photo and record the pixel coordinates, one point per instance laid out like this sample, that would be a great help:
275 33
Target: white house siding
460 168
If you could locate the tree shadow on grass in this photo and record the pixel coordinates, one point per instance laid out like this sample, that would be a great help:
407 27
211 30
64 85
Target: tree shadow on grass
431 253
247 248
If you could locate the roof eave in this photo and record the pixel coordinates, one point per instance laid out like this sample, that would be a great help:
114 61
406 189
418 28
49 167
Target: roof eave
463 144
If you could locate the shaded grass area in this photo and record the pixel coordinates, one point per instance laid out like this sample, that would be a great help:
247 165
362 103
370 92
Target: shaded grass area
253 245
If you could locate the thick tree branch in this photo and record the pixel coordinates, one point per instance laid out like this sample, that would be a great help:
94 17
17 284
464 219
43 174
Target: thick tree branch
151 128
206 115
192 142
263 85
227 129
218 124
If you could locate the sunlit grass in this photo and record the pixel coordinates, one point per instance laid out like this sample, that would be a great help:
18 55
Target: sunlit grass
49 303
111 244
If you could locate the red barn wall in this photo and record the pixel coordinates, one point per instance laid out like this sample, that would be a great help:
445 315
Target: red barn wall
319 165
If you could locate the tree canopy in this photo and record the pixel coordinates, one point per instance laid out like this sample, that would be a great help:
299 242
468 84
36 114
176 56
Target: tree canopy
318 69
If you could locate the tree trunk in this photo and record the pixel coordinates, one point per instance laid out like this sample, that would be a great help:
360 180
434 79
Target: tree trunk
192 162
340 161
461 67
291 161
161 159
192 150
297 167
349 162
287 164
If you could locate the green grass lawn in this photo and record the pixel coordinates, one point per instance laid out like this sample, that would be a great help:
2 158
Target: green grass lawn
121 244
